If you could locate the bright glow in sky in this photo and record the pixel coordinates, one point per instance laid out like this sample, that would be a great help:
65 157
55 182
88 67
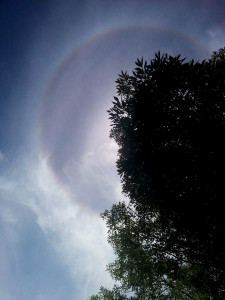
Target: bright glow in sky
59 62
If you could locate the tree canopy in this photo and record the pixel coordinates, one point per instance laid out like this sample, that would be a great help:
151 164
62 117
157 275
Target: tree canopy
144 267
169 123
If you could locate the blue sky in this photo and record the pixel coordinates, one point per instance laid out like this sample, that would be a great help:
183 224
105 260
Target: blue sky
58 64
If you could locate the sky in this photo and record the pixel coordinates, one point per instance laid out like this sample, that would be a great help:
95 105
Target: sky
58 64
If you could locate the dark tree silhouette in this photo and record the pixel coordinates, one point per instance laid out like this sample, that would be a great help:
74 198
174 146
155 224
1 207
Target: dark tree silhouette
169 123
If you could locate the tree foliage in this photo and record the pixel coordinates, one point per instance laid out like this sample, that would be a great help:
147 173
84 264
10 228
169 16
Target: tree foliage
218 56
144 268
169 123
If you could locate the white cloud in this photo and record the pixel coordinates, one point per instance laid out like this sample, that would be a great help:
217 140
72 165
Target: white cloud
78 235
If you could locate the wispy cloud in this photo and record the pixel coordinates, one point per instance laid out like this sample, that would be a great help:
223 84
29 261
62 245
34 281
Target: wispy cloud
8 216
77 234
216 37
1 156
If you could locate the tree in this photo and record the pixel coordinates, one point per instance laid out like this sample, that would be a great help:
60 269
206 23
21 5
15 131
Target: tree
218 56
106 294
143 267
169 123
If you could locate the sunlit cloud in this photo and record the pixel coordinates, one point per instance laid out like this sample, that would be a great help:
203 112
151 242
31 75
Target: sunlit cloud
78 236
